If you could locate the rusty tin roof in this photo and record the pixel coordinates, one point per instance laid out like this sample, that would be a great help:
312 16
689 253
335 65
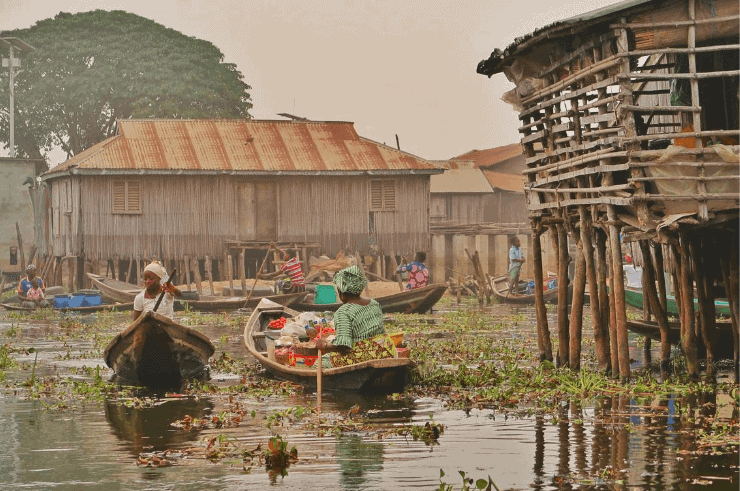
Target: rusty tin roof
506 182
229 146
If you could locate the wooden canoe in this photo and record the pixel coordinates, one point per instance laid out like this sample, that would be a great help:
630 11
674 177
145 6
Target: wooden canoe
157 352
500 287
389 375
633 297
105 307
417 301
724 341
119 291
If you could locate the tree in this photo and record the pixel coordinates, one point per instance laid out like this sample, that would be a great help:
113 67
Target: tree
90 69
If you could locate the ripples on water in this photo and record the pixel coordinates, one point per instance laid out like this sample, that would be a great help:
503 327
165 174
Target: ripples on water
611 443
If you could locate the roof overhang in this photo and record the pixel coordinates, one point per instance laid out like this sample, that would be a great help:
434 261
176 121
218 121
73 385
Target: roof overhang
241 173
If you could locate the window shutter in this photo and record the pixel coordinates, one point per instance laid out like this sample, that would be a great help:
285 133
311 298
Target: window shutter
389 195
376 195
134 196
119 196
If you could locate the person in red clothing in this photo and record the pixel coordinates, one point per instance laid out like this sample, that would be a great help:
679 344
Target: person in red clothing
290 268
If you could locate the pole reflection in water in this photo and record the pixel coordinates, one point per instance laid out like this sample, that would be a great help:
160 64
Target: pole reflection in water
147 428
357 458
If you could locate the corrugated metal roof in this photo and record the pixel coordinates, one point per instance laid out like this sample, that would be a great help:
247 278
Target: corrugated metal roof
483 158
499 59
506 182
467 180
241 146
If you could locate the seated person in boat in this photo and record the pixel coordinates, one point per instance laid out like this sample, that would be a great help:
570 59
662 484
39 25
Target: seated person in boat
290 268
417 270
154 283
516 259
358 322
31 289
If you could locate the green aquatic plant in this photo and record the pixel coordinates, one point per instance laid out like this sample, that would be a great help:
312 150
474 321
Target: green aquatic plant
468 483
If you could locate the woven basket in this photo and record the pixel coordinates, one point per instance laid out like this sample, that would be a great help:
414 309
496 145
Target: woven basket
305 349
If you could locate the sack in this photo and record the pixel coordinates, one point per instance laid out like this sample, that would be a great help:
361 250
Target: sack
294 330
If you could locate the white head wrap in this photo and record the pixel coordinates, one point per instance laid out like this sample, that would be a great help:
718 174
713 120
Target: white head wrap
156 268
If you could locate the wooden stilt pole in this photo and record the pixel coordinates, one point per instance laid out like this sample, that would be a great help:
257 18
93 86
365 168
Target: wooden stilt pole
688 332
617 284
543 331
242 272
601 337
230 274
651 296
209 274
576 310
731 293
705 296
603 293
563 282
196 273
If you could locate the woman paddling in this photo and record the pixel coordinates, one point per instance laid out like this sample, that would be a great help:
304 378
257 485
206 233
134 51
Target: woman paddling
154 284
360 335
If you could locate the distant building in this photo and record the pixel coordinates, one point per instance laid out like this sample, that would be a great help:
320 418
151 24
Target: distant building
197 188
17 194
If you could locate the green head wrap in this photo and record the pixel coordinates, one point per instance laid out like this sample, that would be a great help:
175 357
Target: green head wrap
350 280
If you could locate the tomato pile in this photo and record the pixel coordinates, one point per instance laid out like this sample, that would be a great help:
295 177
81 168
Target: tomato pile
277 323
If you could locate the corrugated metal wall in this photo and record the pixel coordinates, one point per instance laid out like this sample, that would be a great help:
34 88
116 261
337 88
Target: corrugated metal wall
194 215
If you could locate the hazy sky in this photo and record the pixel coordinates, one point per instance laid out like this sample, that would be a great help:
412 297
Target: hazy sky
391 67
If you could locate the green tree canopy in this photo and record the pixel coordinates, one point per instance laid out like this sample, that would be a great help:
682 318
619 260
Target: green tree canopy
93 68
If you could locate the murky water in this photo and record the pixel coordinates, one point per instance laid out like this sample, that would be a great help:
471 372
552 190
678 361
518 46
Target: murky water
612 443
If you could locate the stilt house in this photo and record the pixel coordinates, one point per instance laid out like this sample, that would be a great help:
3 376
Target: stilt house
629 123
203 189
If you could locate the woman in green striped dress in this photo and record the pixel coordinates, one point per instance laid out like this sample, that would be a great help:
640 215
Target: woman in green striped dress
360 335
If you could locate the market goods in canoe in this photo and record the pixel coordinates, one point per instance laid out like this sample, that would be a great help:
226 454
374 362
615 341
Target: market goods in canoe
387 375
418 301
157 352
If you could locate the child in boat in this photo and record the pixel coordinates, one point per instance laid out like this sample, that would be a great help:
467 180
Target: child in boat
154 283
360 334
31 289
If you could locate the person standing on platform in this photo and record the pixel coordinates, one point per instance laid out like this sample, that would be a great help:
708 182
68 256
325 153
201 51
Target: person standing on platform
516 259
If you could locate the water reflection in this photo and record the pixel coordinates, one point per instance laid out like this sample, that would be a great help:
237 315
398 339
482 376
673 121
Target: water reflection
148 428
357 458
647 444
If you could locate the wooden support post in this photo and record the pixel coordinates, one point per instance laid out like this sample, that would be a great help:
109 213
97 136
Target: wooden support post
543 331
688 332
603 293
139 269
116 268
21 254
187 271
601 336
617 284
242 272
230 274
209 274
576 311
651 298
32 254
703 292
196 273
732 293
563 358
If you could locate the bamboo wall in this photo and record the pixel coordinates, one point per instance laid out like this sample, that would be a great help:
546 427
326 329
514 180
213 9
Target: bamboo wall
186 216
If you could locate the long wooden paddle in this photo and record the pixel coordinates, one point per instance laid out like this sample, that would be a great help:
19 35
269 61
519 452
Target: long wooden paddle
269 248
164 290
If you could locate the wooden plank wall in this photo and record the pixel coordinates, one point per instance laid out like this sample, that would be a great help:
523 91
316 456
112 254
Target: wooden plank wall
193 216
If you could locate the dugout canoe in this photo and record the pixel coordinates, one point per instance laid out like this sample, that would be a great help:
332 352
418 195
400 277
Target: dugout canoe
634 297
374 376
724 342
120 291
157 352
105 307
417 301
500 288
